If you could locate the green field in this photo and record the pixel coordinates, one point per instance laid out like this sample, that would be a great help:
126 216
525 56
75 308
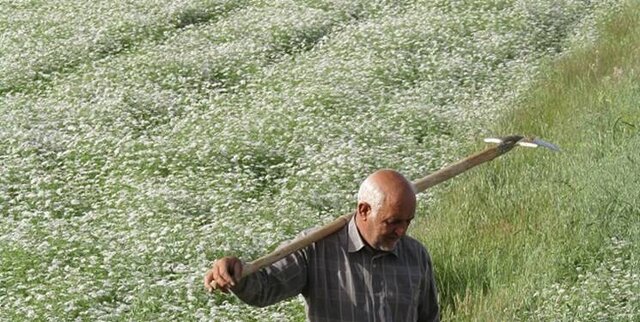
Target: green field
140 140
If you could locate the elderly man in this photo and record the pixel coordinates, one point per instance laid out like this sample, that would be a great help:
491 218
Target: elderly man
368 271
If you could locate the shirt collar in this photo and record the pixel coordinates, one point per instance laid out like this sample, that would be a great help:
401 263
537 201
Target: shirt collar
356 243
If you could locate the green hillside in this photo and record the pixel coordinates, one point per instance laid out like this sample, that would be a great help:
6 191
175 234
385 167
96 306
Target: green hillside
140 140
553 237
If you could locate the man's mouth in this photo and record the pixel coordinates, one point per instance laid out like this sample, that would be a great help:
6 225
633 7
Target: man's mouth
392 238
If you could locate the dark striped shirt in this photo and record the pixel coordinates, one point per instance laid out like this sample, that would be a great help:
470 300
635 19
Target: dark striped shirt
343 279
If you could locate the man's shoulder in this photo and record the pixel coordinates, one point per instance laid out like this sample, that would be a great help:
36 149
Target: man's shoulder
304 234
329 240
413 243
413 246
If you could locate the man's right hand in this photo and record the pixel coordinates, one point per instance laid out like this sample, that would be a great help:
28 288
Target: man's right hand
225 273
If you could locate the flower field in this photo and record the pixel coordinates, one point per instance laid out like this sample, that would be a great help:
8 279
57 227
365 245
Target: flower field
142 139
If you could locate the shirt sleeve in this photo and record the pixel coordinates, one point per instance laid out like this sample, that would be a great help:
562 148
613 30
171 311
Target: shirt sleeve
428 309
279 281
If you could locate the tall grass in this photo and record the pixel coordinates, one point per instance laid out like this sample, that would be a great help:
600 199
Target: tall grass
553 236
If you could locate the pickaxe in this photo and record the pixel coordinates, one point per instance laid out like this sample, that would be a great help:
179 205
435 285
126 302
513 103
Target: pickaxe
504 145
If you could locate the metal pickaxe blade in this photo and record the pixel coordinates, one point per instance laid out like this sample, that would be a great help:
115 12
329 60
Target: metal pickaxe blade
524 141
505 144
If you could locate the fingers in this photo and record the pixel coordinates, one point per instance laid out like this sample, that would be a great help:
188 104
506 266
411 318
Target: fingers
224 274
210 277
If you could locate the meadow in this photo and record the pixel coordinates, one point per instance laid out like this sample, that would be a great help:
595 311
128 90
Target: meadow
141 140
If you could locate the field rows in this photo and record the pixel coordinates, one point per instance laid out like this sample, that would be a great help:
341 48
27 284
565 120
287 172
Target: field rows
136 150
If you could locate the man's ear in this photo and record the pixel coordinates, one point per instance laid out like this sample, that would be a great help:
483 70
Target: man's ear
364 210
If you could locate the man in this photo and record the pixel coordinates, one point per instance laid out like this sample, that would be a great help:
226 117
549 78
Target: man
368 271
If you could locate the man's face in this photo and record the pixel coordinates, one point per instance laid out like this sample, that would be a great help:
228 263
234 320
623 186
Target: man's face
383 229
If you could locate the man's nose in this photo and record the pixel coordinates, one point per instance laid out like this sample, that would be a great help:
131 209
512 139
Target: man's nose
401 230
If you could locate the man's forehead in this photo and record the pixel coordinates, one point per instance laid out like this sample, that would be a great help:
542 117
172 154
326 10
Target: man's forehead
398 210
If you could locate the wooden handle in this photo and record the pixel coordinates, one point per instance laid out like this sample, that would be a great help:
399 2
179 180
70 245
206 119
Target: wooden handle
420 186
294 245
461 166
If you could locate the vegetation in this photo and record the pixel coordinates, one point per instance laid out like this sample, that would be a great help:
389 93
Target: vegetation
545 236
140 140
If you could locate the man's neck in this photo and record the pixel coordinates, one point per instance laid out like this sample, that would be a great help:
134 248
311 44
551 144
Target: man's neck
367 245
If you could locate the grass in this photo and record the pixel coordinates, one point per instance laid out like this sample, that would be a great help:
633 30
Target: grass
553 236
136 150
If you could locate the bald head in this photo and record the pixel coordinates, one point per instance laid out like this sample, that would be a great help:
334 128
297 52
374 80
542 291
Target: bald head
386 206
386 187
